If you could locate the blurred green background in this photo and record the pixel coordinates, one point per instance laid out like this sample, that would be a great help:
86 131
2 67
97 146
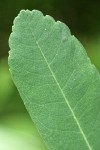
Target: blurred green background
17 131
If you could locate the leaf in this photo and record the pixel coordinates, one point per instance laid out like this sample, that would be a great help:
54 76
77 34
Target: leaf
57 82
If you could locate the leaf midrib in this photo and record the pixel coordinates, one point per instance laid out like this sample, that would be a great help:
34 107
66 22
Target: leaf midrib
65 98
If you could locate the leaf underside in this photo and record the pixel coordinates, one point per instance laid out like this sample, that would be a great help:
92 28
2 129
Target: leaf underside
57 82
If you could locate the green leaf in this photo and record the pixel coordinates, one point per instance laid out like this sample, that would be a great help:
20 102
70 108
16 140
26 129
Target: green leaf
57 82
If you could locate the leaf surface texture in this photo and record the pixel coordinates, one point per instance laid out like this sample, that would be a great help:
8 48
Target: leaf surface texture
57 82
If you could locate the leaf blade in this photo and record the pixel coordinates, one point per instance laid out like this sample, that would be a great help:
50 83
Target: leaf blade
51 64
